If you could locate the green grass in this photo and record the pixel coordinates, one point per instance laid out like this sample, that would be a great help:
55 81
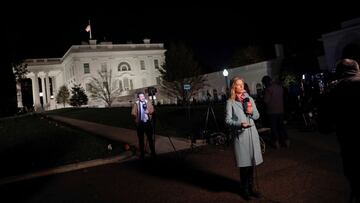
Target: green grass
31 142
176 121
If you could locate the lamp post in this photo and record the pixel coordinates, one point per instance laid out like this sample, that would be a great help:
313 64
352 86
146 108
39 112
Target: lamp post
225 74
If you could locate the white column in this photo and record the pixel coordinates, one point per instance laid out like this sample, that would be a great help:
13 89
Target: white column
47 89
19 95
53 81
43 90
35 89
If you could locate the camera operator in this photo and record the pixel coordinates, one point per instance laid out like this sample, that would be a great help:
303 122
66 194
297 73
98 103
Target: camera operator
339 109
142 111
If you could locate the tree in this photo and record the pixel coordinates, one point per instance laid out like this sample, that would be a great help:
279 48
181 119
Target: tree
78 96
20 70
101 87
180 68
63 95
248 55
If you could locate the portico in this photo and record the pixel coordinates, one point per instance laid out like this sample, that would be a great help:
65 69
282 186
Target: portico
43 88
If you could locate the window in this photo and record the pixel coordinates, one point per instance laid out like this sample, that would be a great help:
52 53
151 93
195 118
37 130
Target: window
86 68
123 66
156 64
121 86
144 82
142 64
131 85
87 87
73 70
126 84
103 67
158 80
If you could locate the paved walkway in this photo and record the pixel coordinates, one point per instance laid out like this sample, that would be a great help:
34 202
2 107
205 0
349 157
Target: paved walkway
163 144
309 171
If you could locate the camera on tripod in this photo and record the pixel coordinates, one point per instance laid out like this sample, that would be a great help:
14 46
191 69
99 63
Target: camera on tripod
151 91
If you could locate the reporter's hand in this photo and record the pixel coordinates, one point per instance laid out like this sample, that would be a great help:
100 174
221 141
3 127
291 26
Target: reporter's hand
245 125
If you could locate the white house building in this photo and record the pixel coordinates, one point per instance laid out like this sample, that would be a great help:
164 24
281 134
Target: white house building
133 66
252 74
341 43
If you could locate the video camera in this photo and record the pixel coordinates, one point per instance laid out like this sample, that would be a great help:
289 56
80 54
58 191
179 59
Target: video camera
152 91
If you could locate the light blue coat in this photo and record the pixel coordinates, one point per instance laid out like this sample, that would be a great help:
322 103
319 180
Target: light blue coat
246 141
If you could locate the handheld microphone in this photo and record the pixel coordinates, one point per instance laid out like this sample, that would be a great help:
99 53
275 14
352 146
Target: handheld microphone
144 106
247 106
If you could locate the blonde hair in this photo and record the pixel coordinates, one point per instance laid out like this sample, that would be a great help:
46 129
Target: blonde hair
232 86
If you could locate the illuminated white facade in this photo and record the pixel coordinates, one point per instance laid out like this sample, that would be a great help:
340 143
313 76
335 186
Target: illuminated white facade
252 75
341 43
133 66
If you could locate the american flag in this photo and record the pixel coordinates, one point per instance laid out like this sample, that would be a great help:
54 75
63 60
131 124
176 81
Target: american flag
88 28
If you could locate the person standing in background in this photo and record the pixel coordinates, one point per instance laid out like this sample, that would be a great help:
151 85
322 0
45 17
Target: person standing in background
274 102
339 109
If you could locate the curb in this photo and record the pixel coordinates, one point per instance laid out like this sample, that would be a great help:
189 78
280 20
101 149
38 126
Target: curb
128 155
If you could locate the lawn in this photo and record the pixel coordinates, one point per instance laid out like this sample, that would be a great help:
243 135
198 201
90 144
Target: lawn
31 142
176 121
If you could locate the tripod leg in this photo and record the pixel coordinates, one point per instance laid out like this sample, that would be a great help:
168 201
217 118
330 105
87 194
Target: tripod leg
207 118
172 144
212 111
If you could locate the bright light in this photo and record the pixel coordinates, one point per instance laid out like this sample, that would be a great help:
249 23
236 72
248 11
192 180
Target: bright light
225 73
154 97
41 94
303 76
52 97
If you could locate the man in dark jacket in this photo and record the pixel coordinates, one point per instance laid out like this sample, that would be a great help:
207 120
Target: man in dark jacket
344 108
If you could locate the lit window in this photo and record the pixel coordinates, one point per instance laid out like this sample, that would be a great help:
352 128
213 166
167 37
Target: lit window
144 82
86 68
142 65
158 80
156 64
103 67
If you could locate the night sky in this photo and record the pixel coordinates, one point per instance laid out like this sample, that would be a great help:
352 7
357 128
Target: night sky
213 33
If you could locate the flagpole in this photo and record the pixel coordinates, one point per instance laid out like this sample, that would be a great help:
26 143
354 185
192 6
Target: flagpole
90 30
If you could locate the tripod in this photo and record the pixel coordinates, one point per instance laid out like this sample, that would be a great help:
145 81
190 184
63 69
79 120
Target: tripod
210 109
217 137
153 123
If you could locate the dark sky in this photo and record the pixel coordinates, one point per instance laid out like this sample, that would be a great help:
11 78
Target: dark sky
214 33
